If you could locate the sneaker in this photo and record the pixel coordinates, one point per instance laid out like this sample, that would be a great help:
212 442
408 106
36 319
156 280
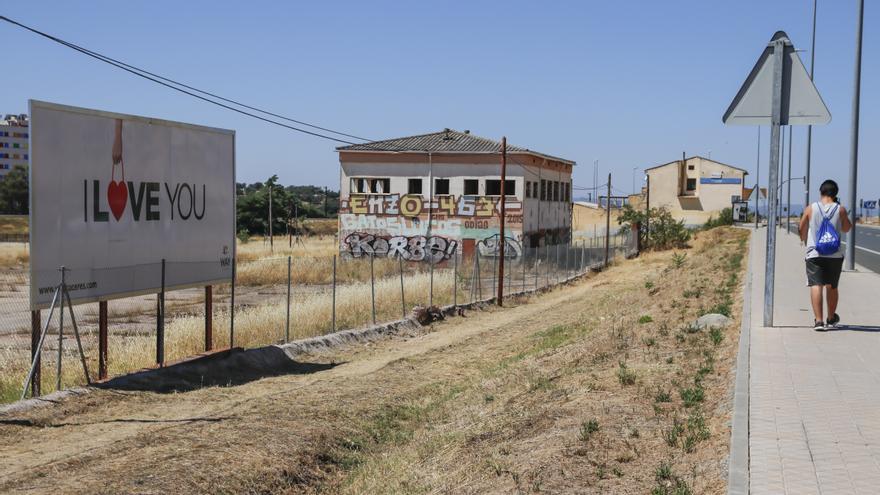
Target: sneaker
819 326
833 322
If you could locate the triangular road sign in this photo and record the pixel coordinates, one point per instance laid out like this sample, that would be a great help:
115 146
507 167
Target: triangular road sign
801 103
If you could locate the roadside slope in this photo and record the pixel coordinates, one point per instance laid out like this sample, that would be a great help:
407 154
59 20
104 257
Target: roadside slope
498 401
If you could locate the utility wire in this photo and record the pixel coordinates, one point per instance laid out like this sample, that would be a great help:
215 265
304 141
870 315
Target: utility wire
172 84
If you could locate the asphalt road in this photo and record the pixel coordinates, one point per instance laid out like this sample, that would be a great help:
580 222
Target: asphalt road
867 246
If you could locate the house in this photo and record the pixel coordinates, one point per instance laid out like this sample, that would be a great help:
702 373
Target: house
432 195
693 189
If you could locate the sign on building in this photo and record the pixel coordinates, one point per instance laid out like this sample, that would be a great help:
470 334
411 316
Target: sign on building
112 195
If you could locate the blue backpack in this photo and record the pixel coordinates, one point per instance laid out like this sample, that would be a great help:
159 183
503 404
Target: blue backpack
827 238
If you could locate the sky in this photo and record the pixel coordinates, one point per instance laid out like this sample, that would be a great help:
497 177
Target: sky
630 84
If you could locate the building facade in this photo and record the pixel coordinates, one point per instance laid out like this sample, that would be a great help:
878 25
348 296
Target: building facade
436 194
13 143
694 189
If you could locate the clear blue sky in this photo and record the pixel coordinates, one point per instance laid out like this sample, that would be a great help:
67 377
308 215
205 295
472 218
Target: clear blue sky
631 84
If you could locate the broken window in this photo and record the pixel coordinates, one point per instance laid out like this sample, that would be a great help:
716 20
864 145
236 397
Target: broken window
471 187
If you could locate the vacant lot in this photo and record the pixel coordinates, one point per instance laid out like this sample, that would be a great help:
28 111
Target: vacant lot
599 387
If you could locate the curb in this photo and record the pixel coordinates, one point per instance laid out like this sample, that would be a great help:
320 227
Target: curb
738 465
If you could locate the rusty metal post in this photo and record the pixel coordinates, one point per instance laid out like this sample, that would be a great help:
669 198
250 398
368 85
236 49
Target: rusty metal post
500 252
334 293
402 295
209 318
160 321
35 352
102 340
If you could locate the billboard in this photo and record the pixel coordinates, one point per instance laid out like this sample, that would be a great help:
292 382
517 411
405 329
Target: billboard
113 195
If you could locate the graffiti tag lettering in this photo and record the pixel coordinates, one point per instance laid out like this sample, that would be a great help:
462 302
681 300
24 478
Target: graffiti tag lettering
433 249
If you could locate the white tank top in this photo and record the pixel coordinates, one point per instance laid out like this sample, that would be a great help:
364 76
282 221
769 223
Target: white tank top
820 211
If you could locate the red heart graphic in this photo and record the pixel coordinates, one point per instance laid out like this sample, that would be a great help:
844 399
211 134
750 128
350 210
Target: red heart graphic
117 196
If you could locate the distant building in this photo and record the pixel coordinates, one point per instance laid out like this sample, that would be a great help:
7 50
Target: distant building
693 189
13 142
387 197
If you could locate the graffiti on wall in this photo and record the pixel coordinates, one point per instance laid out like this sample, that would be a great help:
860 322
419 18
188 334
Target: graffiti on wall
433 249
490 247
395 225
414 205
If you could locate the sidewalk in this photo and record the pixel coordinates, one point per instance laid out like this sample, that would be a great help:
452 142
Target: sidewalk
814 409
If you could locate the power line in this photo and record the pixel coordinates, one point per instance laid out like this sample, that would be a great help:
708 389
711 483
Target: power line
172 84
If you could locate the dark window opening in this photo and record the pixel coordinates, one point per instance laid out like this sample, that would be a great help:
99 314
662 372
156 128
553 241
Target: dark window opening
471 187
555 191
441 186
692 184
690 167
415 186
493 187
543 190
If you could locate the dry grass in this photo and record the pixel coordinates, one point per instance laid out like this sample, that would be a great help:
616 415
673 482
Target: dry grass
14 255
524 399
258 248
311 315
14 224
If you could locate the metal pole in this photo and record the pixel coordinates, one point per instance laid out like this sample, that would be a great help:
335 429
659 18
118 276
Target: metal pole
271 234
287 319
35 354
455 280
430 220
522 261
102 340
810 128
757 190
494 271
788 208
373 287
776 118
607 218
557 263
209 318
160 321
854 142
501 227
781 180
334 293
232 303
36 360
60 331
402 296
82 354
537 264
647 209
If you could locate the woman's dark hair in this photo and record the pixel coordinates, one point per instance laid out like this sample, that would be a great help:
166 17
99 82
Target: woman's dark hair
829 188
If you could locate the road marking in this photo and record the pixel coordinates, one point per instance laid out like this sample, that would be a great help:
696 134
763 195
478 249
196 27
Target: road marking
864 249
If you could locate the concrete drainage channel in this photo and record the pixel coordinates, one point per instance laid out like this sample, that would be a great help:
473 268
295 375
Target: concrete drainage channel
238 366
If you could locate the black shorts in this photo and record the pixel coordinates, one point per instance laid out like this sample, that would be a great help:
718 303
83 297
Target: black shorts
824 271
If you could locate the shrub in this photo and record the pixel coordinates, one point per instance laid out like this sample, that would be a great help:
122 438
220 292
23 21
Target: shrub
645 319
724 218
625 375
661 231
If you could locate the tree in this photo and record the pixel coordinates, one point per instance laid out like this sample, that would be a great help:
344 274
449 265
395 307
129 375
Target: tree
665 231
14 191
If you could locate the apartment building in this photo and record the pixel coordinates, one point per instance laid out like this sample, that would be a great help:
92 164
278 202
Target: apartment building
13 142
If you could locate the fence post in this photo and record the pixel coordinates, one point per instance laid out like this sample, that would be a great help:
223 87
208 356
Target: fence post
431 277
287 320
455 280
494 273
232 302
160 321
474 280
479 277
373 287
35 353
102 340
402 295
523 261
334 293
537 264
557 263
209 318
60 332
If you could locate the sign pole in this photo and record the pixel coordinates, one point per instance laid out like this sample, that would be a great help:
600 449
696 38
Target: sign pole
775 119
854 143
757 190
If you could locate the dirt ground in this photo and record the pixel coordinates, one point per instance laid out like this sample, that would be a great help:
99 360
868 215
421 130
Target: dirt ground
602 386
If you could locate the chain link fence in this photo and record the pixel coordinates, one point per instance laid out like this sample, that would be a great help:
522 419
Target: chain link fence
275 300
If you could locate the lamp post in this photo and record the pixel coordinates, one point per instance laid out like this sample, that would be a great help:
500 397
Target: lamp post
854 141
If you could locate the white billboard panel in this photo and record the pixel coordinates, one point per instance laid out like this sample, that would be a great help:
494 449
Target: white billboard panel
113 195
